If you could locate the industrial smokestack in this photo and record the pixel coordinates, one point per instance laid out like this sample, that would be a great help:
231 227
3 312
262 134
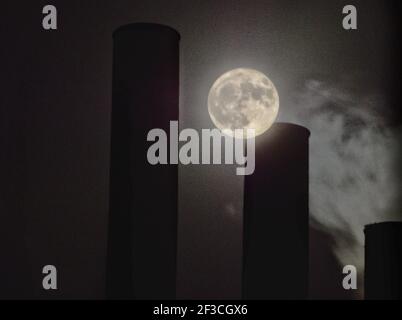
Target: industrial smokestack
383 261
276 216
141 261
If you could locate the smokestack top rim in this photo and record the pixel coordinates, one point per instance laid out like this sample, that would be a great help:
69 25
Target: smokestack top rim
382 225
289 125
136 26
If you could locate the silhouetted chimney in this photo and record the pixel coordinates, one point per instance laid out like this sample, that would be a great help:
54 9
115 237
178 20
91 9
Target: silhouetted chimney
383 261
276 216
143 197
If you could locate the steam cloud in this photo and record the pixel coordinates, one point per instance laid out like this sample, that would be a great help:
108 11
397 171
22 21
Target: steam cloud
354 178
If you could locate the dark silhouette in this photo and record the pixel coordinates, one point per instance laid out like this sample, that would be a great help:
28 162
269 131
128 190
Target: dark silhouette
143 197
383 261
276 216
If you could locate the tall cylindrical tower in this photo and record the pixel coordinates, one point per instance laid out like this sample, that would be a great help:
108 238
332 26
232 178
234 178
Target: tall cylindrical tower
276 216
143 197
383 261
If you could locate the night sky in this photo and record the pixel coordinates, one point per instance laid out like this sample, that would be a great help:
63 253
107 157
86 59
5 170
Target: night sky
55 107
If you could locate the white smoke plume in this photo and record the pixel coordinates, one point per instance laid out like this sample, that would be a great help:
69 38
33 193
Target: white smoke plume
354 177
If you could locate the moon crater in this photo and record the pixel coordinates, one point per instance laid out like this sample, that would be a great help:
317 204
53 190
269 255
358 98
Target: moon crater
243 99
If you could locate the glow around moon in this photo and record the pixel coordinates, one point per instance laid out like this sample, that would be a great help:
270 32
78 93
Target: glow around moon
243 99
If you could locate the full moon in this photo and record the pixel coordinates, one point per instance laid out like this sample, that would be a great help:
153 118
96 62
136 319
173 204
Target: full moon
243 99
